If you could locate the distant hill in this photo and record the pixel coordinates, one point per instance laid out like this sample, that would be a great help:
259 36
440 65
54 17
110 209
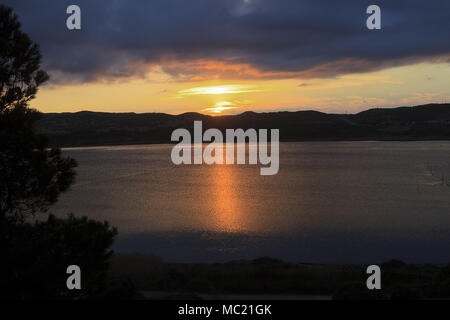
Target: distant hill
427 122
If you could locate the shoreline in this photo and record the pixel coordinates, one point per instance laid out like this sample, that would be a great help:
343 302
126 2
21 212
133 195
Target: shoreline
118 144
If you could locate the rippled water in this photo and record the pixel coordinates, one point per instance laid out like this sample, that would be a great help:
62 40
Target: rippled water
330 202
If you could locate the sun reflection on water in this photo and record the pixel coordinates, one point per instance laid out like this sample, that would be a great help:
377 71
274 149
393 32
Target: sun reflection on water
228 215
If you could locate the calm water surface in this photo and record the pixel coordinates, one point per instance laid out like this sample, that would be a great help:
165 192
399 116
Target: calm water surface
362 202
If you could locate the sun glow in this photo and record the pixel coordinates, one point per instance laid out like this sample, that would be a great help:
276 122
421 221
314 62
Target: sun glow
225 89
221 106
405 85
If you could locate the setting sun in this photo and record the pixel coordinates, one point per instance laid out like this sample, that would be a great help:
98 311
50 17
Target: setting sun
221 106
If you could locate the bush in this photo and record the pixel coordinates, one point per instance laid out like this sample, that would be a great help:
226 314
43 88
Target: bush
36 256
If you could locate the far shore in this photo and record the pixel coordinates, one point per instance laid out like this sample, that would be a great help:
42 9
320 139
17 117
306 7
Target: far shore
436 139
429 122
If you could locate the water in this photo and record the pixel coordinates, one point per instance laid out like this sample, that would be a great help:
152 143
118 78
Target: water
331 202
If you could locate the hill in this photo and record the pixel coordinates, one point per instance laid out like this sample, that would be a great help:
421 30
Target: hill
426 122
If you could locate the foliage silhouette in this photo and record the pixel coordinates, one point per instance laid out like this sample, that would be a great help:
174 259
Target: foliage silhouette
32 174
42 251
36 250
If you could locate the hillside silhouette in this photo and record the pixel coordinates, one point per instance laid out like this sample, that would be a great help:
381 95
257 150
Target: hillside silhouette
425 122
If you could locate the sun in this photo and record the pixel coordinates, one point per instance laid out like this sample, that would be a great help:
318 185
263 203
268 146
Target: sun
219 98
220 107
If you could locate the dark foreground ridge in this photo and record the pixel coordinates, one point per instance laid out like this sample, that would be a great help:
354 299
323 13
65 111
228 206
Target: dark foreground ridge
268 278
426 122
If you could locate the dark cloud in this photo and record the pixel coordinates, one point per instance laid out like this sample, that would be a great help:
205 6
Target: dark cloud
308 38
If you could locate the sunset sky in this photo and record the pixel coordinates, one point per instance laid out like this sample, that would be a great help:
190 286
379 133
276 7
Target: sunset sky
231 56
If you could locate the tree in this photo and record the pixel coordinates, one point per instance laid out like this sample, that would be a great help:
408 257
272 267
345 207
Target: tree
20 73
35 253
32 174
37 260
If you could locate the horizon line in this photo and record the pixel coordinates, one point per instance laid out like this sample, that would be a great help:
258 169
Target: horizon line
248 111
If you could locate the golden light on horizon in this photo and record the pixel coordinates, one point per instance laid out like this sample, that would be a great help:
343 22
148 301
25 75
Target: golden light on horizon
220 98
404 85
221 106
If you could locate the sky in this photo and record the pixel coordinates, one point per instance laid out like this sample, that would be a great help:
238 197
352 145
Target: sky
231 56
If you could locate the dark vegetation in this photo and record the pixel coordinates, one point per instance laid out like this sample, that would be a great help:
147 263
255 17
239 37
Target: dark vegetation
427 122
35 247
275 277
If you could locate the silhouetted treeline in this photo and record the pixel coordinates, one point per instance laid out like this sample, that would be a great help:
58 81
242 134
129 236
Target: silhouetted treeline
427 122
